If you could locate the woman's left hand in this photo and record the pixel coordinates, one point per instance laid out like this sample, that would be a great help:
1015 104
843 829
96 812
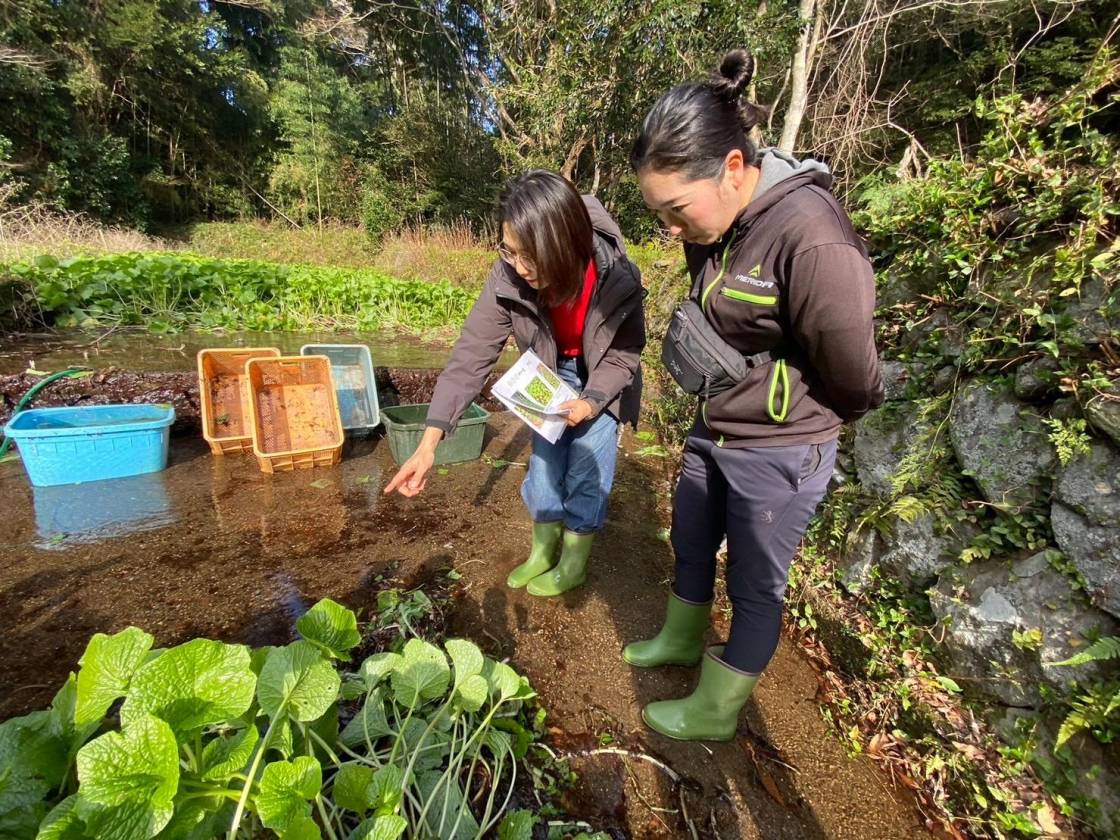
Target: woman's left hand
578 411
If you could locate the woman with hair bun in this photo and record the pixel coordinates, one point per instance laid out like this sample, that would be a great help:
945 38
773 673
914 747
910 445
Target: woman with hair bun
782 278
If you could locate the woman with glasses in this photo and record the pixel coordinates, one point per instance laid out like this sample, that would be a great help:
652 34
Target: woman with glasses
565 289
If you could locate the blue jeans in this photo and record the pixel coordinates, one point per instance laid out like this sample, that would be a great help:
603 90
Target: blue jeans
570 480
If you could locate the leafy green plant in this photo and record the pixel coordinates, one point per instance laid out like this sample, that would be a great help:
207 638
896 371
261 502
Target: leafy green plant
399 611
1097 708
1030 639
1069 438
167 292
213 740
1014 242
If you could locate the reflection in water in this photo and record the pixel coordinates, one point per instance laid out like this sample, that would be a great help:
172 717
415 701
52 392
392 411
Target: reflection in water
99 510
209 547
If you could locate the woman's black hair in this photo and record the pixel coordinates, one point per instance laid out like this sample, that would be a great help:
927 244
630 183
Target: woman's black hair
691 128
553 228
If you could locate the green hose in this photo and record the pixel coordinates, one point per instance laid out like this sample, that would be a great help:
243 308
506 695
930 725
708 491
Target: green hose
30 395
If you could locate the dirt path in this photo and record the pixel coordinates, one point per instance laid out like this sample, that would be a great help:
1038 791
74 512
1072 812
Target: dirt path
213 547
786 776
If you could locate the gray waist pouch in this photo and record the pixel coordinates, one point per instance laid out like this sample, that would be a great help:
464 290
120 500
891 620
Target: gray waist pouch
700 361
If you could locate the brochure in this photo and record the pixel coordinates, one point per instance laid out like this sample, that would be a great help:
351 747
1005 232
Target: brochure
532 391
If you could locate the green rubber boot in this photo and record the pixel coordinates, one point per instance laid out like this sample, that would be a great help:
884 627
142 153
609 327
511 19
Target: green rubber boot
542 557
711 712
570 572
681 640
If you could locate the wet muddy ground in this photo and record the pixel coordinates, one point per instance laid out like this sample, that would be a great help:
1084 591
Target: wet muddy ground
213 547
140 350
395 386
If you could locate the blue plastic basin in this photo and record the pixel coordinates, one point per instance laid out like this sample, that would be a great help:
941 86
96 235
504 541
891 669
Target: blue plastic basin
90 443
354 382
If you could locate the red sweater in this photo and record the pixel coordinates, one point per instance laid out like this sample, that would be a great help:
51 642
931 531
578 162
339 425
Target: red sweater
568 318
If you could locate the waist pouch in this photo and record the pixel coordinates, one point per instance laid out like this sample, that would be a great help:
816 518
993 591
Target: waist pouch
700 361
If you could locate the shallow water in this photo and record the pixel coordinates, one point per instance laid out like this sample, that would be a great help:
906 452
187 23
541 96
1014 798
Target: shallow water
210 546
213 547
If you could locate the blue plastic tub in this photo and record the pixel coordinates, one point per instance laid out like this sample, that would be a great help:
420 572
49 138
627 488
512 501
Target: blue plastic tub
91 443
354 382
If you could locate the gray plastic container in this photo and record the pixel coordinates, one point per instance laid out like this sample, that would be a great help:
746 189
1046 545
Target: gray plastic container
352 369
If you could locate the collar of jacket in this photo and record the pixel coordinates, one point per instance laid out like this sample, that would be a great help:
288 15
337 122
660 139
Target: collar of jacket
758 206
617 280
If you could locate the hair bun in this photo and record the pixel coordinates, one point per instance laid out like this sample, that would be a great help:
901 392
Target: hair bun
735 73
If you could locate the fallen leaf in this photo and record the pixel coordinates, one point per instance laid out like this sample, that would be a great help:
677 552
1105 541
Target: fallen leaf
764 777
875 746
907 781
321 483
771 786
973 752
1046 821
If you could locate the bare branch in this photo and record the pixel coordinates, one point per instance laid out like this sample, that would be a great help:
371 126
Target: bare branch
19 58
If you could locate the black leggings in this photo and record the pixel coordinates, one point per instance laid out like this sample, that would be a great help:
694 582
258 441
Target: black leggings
762 499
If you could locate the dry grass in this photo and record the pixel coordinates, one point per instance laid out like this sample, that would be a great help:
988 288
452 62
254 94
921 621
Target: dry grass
454 253
32 229
338 245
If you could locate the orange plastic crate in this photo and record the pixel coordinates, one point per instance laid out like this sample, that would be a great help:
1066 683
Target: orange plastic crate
224 397
295 418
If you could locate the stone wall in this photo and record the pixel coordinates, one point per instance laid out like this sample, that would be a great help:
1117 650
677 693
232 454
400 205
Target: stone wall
1007 616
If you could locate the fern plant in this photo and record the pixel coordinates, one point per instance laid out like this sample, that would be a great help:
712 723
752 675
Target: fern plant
1096 708
1069 438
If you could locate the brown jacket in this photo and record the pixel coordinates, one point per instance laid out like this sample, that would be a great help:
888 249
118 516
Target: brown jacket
613 334
790 275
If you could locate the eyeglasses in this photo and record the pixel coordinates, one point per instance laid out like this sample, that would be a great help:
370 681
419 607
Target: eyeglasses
512 257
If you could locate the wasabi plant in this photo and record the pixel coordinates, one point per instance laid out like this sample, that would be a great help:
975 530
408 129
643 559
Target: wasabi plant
207 740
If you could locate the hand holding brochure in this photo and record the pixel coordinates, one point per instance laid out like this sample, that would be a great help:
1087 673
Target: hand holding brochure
532 391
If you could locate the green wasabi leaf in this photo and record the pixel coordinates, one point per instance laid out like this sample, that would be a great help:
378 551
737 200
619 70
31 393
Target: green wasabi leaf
471 694
197 684
63 822
298 681
377 667
517 825
422 675
285 788
331 626
351 788
128 780
228 754
466 657
388 827
370 722
108 665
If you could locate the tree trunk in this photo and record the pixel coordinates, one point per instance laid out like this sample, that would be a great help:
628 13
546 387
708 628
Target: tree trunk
573 156
811 14
752 92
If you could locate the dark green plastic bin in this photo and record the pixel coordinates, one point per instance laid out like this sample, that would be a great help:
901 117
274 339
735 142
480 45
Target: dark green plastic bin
404 425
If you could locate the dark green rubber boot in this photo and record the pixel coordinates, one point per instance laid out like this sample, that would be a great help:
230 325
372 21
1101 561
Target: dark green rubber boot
542 557
711 712
570 572
681 640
